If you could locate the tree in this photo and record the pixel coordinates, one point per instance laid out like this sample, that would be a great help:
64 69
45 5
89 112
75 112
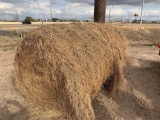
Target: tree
99 11
55 19
28 20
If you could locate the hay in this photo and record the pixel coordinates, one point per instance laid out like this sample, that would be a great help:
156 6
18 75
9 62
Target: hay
63 67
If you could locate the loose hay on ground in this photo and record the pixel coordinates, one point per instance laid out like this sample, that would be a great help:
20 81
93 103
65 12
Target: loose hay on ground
62 67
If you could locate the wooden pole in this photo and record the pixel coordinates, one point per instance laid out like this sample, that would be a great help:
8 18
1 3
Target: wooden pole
99 11
109 15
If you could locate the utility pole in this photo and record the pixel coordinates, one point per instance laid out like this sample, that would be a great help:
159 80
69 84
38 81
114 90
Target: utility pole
99 11
51 8
140 30
37 9
109 15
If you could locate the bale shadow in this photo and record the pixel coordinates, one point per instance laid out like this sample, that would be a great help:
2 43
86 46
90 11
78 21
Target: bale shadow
131 107
101 112
145 80
8 111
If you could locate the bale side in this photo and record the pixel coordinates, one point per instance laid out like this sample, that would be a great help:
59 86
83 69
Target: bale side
63 67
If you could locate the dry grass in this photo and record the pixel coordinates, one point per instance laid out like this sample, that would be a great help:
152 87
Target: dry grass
61 68
19 26
150 33
9 43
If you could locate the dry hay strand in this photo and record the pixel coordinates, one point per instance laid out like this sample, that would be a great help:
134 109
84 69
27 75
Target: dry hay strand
63 67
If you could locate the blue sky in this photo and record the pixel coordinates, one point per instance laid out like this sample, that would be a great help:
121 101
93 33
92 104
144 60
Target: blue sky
77 9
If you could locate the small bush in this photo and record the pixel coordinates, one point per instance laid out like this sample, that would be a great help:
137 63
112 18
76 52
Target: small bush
15 33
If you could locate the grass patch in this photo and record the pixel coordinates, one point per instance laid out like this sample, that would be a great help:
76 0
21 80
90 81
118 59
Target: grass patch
150 34
18 33
15 33
9 43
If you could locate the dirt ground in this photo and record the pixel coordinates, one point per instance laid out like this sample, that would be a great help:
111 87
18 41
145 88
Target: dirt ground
139 100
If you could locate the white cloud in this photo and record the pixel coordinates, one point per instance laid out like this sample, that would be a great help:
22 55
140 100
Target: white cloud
76 4
6 5
152 13
116 10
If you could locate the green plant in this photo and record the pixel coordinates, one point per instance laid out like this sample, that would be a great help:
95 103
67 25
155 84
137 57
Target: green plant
15 33
28 20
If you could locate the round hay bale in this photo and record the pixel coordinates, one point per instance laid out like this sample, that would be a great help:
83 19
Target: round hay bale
62 67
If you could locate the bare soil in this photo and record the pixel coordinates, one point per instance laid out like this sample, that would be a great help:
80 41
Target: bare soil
12 106
140 99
